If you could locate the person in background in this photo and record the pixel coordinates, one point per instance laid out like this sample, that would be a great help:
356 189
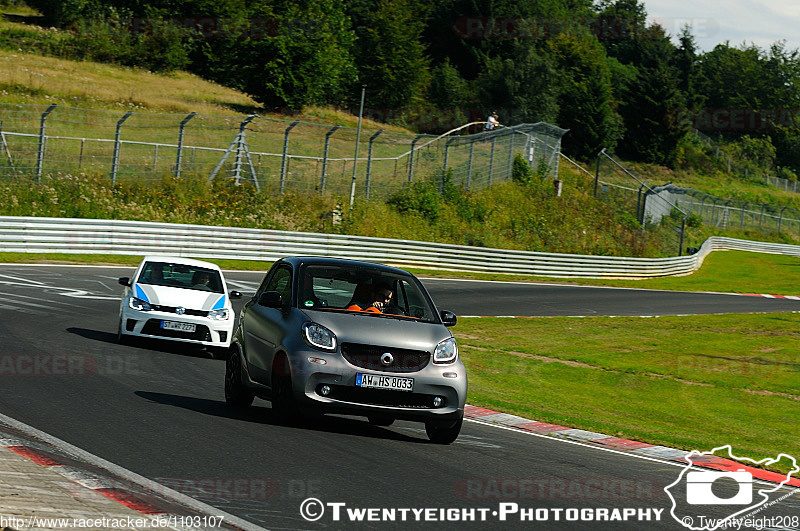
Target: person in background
492 121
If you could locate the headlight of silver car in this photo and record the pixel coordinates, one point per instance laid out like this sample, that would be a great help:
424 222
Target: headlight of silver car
319 337
139 304
220 315
446 351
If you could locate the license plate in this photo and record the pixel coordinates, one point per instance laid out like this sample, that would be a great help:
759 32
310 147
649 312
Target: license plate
392 383
181 327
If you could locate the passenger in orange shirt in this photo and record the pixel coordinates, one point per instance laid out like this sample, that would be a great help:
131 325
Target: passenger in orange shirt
381 295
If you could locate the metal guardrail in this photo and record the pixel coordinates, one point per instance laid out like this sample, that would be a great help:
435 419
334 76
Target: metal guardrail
100 236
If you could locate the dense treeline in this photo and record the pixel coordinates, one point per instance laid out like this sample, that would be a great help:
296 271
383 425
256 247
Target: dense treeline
596 68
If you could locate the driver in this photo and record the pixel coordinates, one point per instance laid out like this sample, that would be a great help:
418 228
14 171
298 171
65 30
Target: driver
381 295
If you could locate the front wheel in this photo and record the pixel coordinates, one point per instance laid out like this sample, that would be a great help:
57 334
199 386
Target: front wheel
443 433
284 406
236 395
122 339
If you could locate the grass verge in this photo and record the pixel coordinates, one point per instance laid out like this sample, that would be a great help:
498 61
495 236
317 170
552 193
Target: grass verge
687 382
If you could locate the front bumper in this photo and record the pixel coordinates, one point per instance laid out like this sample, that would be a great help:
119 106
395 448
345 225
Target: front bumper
430 383
209 332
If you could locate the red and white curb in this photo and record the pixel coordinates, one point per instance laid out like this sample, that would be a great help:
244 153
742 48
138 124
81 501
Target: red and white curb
115 485
765 295
634 447
90 481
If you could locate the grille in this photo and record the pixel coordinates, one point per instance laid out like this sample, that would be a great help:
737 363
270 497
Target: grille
153 328
369 357
171 309
379 397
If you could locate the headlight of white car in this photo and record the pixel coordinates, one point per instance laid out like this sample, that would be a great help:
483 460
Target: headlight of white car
139 304
319 337
446 351
220 315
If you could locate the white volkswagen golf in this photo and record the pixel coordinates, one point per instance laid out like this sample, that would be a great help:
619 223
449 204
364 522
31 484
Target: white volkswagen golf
177 299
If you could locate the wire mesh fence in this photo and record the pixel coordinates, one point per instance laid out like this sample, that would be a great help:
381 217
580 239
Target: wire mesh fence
726 213
629 194
275 155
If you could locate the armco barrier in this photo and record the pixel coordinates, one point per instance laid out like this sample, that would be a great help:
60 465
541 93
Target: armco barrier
100 236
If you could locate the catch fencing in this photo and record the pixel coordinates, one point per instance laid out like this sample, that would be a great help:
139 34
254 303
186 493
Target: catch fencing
274 155
137 238
722 213
617 185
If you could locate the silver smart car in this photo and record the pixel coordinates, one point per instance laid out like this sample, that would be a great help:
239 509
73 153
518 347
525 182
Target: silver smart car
340 336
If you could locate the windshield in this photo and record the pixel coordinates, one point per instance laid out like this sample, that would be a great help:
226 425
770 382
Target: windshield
181 276
363 290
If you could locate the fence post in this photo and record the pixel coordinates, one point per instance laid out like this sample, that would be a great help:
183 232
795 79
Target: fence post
411 158
369 161
115 158
180 144
80 155
447 150
285 153
597 171
510 156
358 141
325 157
491 162
640 206
5 146
469 163
40 156
683 232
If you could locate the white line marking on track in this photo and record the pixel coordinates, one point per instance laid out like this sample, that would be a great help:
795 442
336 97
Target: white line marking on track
601 448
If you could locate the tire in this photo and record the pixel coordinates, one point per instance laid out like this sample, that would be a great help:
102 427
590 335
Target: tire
284 405
236 395
123 339
219 353
443 434
380 420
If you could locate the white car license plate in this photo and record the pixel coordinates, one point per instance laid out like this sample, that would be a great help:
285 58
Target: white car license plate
181 327
392 383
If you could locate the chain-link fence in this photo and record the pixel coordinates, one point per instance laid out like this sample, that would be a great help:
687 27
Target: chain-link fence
724 213
738 166
275 155
617 185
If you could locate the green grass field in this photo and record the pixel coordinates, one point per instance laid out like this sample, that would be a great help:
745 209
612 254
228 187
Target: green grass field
692 382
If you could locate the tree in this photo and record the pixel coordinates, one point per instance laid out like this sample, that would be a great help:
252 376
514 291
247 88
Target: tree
308 61
587 107
390 54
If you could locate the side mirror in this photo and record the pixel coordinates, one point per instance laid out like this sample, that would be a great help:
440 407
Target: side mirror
271 299
125 281
448 318
235 294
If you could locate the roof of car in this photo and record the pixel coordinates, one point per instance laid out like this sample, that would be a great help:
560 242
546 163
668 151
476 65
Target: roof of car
344 262
180 260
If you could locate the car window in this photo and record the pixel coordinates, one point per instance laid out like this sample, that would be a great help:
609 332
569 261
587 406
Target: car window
339 288
281 282
181 276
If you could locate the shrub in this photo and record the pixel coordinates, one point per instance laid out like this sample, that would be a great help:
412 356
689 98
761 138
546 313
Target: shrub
420 197
521 171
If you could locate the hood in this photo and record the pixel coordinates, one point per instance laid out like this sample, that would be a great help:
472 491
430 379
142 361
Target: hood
192 299
383 331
